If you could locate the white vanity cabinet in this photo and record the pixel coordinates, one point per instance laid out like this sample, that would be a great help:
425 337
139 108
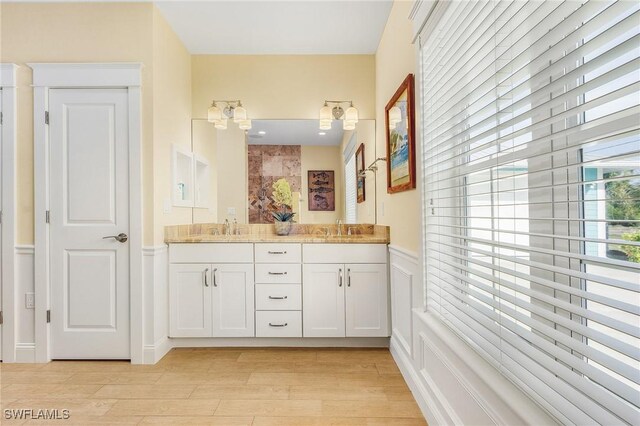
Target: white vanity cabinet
190 300
278 290
209 298
345 299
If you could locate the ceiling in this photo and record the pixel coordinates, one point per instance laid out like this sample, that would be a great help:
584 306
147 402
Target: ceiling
271 27
293 132
312 27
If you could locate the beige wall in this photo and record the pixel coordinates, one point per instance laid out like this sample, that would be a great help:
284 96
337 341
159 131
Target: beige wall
73 33
321 158
395 58
282 87
100 32
171 120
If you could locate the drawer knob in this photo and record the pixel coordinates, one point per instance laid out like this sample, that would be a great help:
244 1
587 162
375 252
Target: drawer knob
277 297
277 252
278 325
277 273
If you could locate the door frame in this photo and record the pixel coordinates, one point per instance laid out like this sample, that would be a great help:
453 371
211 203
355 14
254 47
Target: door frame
7 206
48 76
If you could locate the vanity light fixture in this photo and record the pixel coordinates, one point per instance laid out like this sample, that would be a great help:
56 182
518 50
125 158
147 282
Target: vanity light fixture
328 114
232 110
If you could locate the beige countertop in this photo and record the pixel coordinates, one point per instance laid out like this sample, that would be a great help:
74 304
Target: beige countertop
264 233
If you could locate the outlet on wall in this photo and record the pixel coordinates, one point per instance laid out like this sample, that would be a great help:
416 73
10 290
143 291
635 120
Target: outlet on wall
30 300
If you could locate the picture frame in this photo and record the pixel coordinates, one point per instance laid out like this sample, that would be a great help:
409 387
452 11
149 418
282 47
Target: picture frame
360 180
400 131
321 190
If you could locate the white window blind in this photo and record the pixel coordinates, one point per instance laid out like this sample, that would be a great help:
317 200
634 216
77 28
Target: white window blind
351 197
531 168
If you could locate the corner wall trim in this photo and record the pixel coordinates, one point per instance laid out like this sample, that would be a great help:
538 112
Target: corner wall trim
154 353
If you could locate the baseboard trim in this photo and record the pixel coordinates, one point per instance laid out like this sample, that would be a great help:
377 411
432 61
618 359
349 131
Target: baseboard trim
25 352
306 342
154 353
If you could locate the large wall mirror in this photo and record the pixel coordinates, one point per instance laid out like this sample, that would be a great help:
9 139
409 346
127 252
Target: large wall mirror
320 166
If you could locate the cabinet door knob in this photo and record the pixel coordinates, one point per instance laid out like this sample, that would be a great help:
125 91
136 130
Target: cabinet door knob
349 277
215 282
340 277
204 273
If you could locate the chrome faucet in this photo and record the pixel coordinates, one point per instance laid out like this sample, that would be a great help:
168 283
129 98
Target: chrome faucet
327 232
349 232
226 227
339 222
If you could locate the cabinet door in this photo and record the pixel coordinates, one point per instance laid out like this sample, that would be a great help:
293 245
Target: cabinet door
323 300
233 300
190 300
367 300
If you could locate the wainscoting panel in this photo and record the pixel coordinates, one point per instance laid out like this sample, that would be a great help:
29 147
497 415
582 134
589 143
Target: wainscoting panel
404 275
24 318
156 299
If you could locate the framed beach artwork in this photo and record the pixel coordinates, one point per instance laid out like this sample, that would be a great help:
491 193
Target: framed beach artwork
401 147
322 190
360 179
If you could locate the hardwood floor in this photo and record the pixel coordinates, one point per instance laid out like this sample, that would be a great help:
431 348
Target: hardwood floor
221 386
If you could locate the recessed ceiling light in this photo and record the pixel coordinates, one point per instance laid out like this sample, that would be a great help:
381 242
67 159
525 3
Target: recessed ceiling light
262 132
322 133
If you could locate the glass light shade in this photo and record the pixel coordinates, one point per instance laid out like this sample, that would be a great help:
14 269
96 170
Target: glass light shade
221 124
214 114
351 115
325 124
245 124
348 125
325 113
239 114
395 115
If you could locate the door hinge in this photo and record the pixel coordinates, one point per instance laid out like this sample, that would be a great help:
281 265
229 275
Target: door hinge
1 118
46 117
47 217
1 318
48 316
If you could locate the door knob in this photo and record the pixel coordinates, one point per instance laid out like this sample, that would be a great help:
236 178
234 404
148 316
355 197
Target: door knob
121 237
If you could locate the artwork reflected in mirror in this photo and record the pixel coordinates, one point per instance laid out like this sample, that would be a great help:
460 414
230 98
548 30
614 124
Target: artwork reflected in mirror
322 190
360 178
400 129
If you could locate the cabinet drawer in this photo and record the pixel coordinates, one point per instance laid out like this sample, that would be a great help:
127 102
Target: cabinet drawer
278 324
278 253
211 253
276 273
345 253
278 297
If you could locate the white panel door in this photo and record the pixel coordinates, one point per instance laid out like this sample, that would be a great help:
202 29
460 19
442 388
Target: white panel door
323 300
367 300
190 300
89 200
233 300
